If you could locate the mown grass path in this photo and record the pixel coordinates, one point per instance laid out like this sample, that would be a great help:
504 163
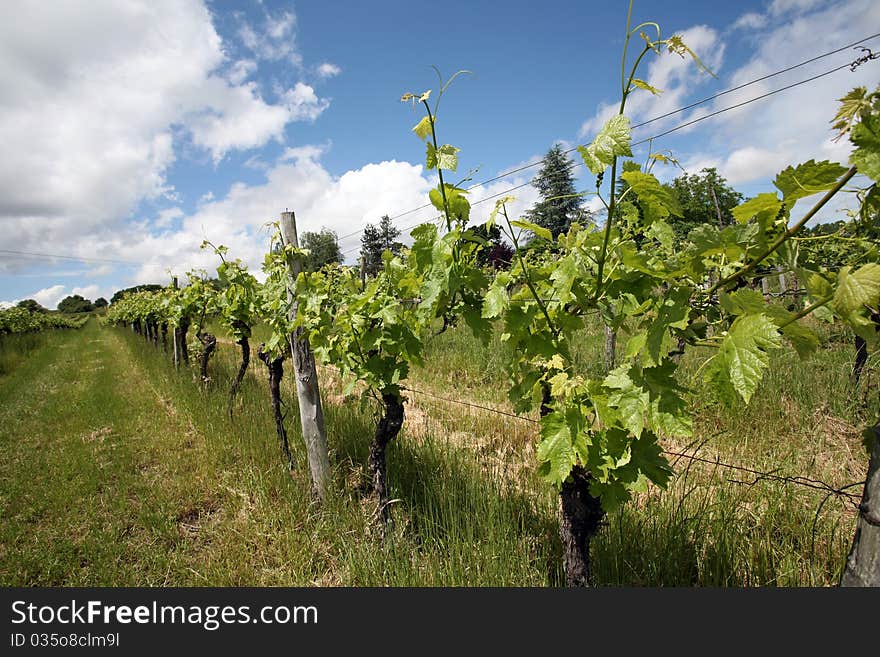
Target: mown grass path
82 432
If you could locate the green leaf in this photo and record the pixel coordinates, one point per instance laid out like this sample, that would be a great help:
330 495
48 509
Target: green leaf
743 356
540 231
556 452
442 158
612 141
764 207
641 84
816 284
630 400
742 302
808 178
648 456
866 138
663 233
657 201
852 105
612 495
496 299
672 312
459 206
804 341
857 293
857 289
423 127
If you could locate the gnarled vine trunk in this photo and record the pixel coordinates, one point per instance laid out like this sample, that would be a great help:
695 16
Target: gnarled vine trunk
209 344
242 370
164 327
276 373
387 429
861 358
180 338
580 517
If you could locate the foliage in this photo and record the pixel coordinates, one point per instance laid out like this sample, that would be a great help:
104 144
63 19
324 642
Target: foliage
75 304
19 320
704 197
119 294
375 240
31 306
323 248
560 204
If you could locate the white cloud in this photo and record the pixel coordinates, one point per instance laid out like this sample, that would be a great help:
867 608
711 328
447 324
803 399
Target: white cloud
751 144
275 41
328 70
302 103
90 292
49 297
241 70
781 7
750 21
676 76
94 102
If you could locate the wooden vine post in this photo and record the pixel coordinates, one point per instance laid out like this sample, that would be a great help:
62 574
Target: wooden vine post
175 329
863 563
310 412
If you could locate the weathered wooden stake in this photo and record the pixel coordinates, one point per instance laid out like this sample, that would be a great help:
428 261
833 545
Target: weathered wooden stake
174 329
863 563
310 412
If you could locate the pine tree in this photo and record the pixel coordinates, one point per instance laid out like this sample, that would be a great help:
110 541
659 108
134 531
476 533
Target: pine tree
375 241
560 206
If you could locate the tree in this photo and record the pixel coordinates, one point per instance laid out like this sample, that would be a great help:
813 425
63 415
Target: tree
31 306
100 302
75 304
560 205
150 287
323 247
497 254
704 197
375 241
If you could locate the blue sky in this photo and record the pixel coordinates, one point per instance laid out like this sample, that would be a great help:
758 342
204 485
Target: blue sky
134 130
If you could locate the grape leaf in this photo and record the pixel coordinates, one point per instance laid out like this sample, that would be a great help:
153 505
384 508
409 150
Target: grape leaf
866 138
612 141
808 178
444 157
764 207
742 302
540 231
641 84
423 127
742 357
857 289
804 341
556 452
657 201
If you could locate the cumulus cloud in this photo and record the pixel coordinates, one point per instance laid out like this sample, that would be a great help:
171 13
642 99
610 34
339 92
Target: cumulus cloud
752 143
95 103
49 297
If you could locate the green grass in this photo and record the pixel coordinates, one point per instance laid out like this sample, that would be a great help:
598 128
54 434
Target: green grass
119 470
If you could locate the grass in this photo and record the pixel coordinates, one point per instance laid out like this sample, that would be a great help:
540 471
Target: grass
120 470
